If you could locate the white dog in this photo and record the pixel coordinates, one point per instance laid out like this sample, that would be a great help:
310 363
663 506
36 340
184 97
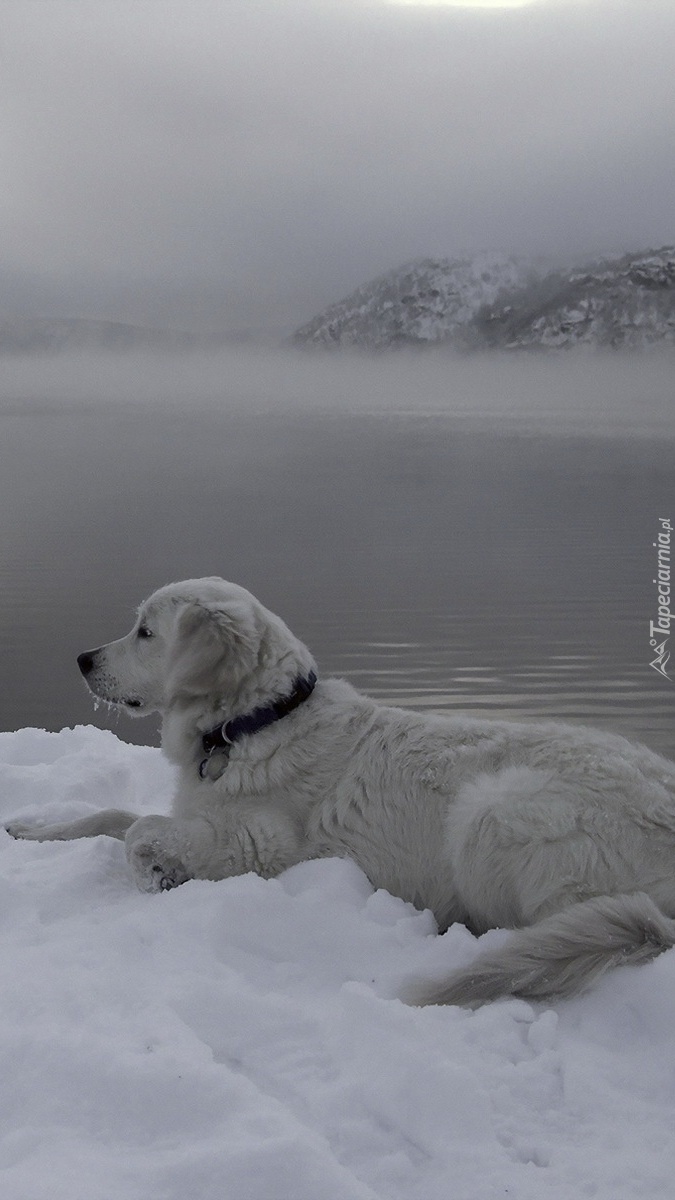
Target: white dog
564 834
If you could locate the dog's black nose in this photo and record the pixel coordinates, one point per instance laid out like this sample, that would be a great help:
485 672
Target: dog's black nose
85 662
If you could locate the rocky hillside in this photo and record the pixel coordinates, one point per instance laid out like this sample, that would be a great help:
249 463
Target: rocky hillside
623 303
427 301
493 301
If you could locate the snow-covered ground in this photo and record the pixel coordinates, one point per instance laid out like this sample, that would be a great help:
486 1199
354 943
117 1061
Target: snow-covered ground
242 1040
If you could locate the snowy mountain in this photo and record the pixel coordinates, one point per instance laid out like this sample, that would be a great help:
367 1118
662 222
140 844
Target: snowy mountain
421 302
622 303
492 301
57 335
25 335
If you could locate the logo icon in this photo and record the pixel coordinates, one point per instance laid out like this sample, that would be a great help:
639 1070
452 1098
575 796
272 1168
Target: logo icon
662 656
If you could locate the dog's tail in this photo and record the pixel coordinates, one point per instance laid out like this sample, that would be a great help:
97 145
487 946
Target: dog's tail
560 955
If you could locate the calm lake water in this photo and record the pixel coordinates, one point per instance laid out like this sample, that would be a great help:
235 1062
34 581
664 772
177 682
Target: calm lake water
436 562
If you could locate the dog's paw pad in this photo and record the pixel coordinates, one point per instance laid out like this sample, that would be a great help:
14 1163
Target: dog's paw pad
155 873
166 879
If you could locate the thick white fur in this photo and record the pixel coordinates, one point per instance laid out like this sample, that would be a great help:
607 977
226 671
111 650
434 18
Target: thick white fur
562 833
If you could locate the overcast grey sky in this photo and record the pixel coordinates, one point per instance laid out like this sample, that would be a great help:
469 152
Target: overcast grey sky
221 163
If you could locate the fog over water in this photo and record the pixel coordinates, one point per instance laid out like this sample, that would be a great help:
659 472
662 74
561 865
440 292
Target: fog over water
575 392
472 533
241 165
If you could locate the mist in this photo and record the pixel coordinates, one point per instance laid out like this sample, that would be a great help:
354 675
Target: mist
229 166
610 395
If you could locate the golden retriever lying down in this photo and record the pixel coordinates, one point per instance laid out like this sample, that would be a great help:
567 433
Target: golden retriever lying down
564 834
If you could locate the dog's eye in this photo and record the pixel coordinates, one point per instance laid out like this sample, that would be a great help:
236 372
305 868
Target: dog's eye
144 632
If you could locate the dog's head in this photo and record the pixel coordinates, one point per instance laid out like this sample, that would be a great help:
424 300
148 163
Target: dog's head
203 643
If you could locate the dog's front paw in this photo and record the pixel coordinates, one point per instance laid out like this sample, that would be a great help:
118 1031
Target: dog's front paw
33 833
154 860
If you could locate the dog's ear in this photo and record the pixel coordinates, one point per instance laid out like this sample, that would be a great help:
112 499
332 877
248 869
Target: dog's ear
212 651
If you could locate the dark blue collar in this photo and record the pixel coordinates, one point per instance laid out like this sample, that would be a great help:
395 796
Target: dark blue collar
221 739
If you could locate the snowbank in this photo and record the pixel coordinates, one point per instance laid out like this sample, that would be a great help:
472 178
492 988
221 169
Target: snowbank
241 1040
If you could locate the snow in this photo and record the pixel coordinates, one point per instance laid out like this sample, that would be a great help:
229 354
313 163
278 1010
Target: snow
425 301
627 302
242 1040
